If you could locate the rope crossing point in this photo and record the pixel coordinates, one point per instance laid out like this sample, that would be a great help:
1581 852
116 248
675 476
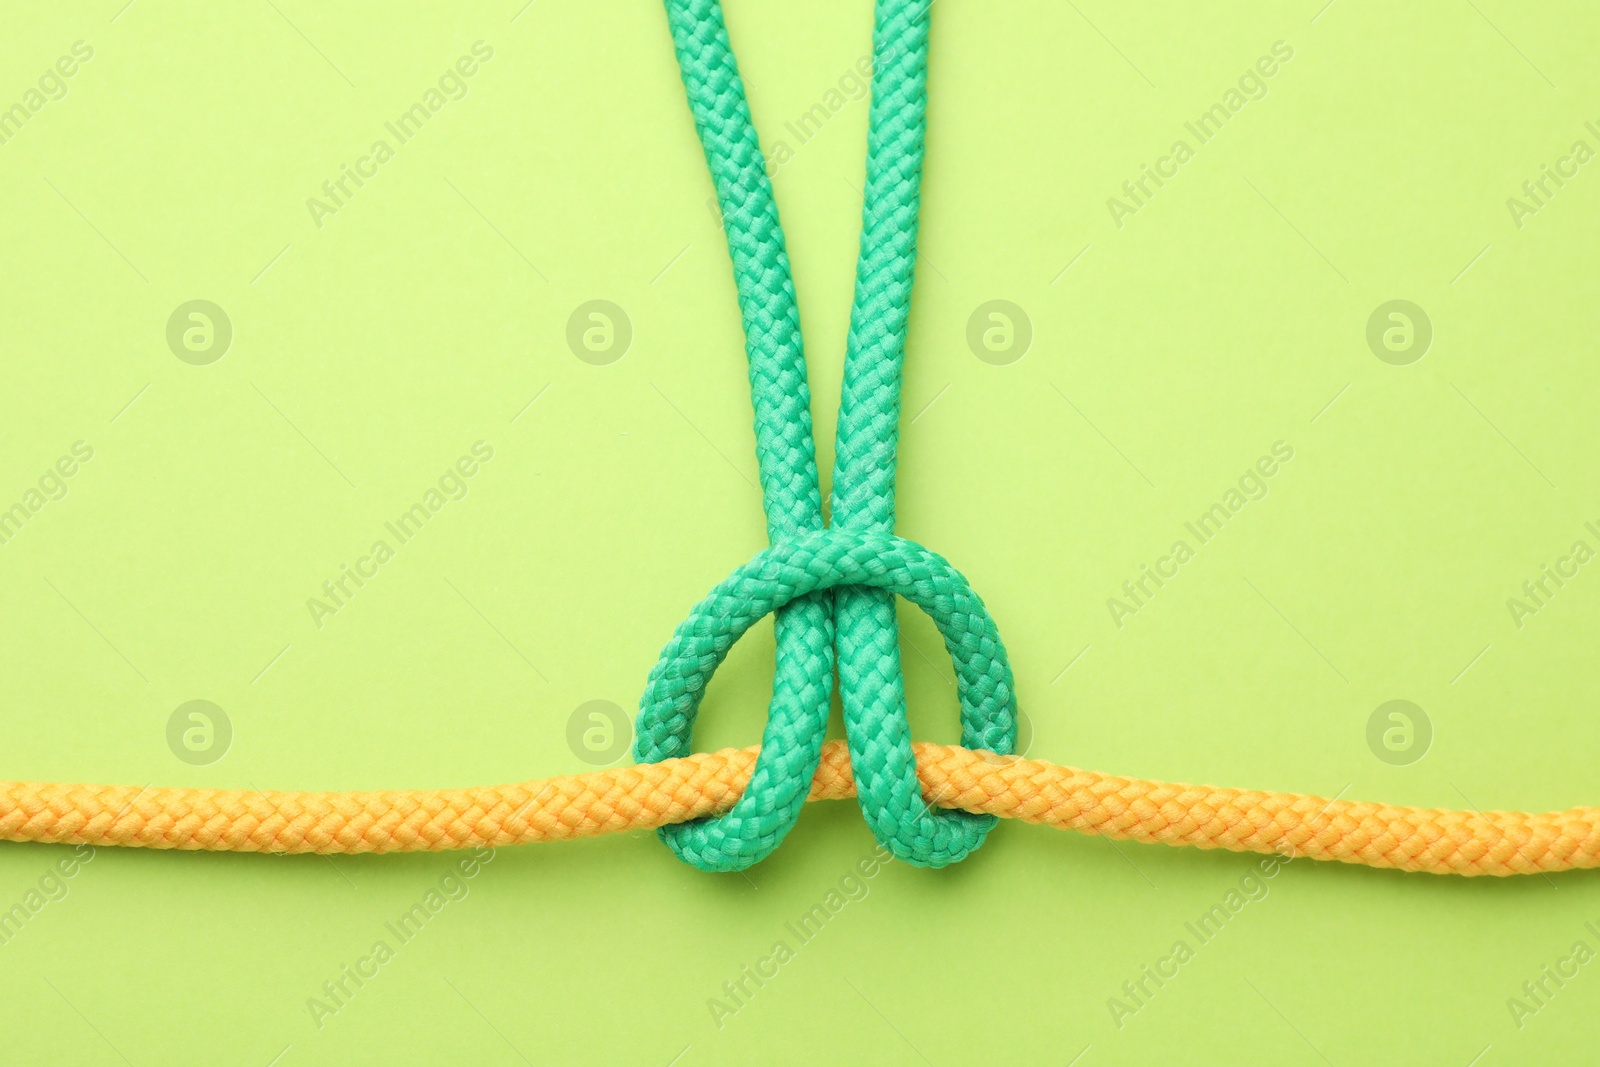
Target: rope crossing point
831 589
652 795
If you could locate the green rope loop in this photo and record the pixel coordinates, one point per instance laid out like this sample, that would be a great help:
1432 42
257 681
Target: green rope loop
831 588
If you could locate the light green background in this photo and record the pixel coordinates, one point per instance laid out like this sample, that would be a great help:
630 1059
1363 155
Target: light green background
1227 314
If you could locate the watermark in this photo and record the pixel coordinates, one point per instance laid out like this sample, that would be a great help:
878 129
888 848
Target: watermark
52 888
1253 485
51 87
1252 887
599 332
1137 192
1399 332
599 732
199 733
1538 992
52 486
853 85
999 332
738 991
452 85
351 978
453 485
1537 192
1399 733
199 333
1538 591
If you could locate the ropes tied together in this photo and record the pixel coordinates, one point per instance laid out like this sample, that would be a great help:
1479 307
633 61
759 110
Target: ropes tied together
832 590
832 587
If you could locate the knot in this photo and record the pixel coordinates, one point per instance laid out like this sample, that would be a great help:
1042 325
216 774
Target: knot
832 589
812 581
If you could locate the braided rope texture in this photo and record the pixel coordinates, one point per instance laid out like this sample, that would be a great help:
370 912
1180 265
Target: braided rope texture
649 796
871 681
786 454
830 588
855 618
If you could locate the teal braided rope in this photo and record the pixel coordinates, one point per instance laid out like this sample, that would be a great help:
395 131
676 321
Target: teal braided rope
871 682
797 718
858 558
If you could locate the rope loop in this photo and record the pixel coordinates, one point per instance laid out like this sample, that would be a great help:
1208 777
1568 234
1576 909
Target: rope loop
801 572
832 588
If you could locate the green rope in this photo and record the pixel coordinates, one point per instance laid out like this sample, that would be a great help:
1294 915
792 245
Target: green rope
832 588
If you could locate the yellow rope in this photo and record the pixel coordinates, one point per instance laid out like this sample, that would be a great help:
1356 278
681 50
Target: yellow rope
675 790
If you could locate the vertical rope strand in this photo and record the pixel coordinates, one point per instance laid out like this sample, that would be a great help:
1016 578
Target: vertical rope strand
871 675
786 453
872 684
